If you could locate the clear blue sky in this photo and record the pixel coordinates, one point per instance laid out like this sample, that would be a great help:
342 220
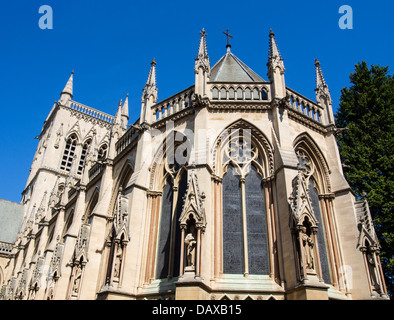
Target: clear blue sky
110 45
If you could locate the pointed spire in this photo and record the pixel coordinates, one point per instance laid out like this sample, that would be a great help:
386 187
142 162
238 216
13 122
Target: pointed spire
125 108
67 93
125 112
202 59
118 113
323 96
202 67
276 68
274 53
321 85
202 49
149 94
150 86
152 74
320 81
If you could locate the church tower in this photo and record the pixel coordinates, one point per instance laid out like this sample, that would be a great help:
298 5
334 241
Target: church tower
73 138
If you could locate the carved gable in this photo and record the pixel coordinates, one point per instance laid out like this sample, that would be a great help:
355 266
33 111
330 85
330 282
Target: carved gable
300 201
193 202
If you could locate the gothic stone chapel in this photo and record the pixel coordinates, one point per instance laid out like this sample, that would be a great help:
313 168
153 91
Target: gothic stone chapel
230 189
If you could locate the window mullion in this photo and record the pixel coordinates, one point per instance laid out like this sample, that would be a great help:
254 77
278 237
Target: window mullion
173 227
244 227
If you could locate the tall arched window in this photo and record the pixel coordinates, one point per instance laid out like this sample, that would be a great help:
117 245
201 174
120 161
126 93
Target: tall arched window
69 152
84 152
168 251
169 178
245 228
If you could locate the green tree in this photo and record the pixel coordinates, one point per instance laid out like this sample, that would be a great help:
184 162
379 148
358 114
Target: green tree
366 109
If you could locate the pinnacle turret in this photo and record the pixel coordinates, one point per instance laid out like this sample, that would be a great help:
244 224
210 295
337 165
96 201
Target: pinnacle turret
118 116
202 48
150 88
274 53
276 68
320 81
152 74
202 67
202 59
323 96
125 113
67 93
149 94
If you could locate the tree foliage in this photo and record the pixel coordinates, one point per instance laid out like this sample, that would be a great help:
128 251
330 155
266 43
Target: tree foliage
366 109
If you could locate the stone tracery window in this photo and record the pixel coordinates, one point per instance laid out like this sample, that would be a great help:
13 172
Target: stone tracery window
245 233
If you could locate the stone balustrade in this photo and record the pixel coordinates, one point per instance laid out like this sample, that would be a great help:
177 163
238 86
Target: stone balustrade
173 104
91 112
305 106
5 248
127 139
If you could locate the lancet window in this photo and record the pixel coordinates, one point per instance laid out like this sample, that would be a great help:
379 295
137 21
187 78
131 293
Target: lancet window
69 152
169 233
168 190
84 152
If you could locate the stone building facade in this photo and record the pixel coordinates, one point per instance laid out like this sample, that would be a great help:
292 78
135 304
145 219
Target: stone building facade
230 189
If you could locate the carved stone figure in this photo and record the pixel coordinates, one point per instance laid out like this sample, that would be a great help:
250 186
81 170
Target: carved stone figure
118 261
190 243
308 244
77 280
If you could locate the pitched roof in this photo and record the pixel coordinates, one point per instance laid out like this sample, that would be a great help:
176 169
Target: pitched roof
230 69
11 215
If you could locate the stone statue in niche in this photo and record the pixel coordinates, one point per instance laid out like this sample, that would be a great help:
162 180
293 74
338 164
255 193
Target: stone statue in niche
371 268
308 245
77 279
190 243
118 261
